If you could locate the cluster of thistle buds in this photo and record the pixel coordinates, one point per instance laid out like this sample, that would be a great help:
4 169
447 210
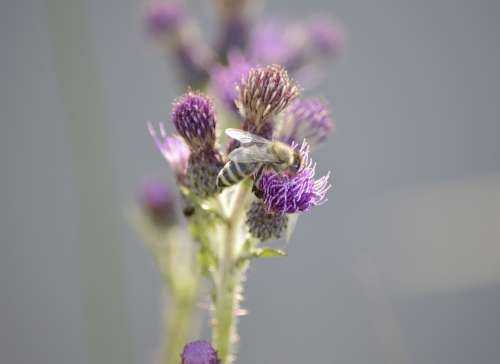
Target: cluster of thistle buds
269 108
240 156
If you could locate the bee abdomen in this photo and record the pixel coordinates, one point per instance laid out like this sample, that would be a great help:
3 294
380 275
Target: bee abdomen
233 173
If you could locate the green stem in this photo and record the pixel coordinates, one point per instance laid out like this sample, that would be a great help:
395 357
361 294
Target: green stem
179 318
229 284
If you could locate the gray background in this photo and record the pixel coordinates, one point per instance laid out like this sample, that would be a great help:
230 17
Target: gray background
401 266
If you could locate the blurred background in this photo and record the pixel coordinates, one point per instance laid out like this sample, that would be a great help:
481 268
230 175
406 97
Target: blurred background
401 265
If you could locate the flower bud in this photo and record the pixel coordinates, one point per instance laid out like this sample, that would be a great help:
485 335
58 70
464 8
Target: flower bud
264 224
164 17
158 202
194 118
265 93
199 352
202 171
326 37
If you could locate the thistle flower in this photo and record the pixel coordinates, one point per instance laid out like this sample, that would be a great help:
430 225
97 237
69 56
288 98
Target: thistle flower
265 93
199 352
174 149
164 17
158 202
264 224
226 79
286 194
194 118
305 119
326 37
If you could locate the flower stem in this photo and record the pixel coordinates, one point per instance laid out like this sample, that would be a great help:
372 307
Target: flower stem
229 283
178 323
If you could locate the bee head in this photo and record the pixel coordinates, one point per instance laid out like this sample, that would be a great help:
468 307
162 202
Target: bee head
296 163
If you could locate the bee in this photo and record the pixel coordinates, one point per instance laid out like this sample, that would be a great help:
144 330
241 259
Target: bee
254 155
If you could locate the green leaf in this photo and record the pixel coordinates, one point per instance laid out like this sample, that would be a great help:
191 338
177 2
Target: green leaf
269 253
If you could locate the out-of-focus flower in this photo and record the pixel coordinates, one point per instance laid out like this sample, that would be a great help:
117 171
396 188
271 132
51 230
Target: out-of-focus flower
325 37
264 94
158 202
264 224
269 43
225 79
174 149
170 24
235 26
164 17
287 194
305 119
199 352
194 118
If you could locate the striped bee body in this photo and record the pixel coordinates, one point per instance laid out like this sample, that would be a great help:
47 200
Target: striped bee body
234 172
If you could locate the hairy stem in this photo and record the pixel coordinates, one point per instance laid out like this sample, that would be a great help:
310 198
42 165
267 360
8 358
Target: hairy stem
229 283
179 318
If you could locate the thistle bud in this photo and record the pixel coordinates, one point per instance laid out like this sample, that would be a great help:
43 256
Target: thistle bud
326 37
264 224
194 118
158 202
265 93
199 352
164 17
202 171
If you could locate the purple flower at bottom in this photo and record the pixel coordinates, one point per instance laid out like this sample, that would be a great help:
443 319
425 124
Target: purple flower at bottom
174 149
199 352
226 79
288 194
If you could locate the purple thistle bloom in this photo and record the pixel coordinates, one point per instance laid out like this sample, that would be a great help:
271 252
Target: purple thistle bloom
326 37
226 79
264 94
163 17
287 194
305 119
199 352
194 118
174 149
158 201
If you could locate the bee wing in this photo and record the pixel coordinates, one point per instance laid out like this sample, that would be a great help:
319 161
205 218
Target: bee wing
252 154
244 137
